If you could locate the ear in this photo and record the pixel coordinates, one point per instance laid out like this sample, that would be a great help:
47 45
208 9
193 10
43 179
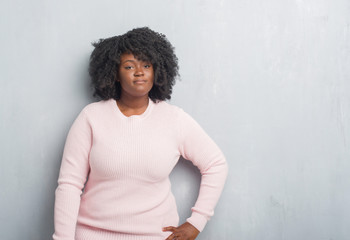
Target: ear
116 77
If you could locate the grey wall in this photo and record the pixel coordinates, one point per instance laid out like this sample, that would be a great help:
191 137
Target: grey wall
268 80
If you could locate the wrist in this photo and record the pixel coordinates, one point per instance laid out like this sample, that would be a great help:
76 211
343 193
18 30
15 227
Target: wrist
197 220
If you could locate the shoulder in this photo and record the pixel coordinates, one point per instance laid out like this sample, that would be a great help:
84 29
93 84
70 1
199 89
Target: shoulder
173 112
165 108
97 108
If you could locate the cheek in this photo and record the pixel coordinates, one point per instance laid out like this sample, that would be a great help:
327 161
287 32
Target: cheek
124 77
151 74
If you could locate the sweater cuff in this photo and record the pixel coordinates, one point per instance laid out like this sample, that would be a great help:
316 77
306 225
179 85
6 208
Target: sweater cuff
198 221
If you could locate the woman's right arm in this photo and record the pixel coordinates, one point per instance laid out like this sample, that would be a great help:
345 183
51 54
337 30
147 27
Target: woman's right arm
73 173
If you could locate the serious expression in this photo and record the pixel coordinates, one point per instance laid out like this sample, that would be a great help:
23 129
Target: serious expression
135 76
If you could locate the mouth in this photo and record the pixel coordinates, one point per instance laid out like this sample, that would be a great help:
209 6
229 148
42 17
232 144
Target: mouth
140 81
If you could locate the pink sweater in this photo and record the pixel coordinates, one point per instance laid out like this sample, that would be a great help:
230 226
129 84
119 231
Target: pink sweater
128 161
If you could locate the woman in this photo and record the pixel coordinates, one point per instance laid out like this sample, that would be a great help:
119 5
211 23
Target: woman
127 144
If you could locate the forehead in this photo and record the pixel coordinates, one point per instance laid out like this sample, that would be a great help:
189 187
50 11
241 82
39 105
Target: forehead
127 56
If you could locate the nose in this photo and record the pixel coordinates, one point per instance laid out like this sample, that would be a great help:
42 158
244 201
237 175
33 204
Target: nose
138 72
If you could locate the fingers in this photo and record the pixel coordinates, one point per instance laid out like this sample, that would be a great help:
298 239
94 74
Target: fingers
169 229
173 237
185 231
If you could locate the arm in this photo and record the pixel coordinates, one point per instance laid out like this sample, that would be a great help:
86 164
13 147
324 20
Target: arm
199 148
72 177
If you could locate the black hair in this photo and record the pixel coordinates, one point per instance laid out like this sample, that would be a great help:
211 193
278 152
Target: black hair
145 44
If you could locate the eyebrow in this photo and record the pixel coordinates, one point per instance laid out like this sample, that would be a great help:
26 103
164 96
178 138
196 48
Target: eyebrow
129 60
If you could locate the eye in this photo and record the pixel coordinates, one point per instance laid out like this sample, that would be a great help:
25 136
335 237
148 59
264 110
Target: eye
127 67
148 65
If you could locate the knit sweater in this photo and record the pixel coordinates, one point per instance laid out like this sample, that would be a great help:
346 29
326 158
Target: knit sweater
114 176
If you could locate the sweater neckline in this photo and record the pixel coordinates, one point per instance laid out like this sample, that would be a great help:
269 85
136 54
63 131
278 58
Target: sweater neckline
139 116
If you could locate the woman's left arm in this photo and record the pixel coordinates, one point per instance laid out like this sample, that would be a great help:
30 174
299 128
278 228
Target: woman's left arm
195 145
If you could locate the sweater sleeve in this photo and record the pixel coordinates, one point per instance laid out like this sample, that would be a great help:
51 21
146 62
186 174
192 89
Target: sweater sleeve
73 173
198 147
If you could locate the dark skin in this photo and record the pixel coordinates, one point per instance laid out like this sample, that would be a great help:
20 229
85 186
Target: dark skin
185 231
136 79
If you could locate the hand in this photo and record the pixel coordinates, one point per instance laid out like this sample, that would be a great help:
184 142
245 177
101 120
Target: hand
184 232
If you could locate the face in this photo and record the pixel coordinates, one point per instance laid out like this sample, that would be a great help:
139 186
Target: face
135 77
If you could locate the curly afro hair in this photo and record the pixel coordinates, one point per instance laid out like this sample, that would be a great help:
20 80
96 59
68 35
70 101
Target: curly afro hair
146 45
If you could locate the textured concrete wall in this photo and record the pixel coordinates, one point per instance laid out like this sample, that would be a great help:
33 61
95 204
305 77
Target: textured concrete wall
268 80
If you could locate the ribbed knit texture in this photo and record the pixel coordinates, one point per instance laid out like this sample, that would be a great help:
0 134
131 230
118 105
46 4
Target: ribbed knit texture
128 161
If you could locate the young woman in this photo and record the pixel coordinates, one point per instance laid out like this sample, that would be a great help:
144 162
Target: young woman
114 177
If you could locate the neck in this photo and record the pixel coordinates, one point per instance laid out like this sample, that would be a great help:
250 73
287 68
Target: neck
127 102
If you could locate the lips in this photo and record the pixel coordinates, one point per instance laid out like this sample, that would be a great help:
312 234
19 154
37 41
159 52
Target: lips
140 81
